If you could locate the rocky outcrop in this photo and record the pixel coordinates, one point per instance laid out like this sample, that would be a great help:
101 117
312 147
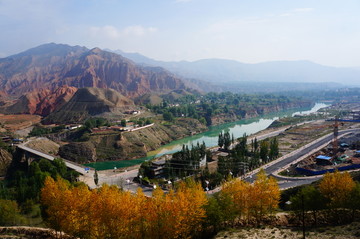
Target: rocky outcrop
41 102
37 72
88 102
81 152
129 145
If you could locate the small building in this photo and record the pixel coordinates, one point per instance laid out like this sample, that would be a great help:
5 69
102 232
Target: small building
73 126
323 160
132 112
6 139
157 168
17 141
357 154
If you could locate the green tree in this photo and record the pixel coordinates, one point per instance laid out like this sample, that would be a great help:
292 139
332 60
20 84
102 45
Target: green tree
227 140
274 149
10 213
353 202
264 150
123 123
168 116
96 177
308 199
221 140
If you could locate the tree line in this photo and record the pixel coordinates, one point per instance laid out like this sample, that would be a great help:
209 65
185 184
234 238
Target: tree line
336 199
204 107
186 212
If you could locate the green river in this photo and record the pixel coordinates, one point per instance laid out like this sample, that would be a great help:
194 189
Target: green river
210 137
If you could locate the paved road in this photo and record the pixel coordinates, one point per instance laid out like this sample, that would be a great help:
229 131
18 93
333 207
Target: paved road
125 179
291 182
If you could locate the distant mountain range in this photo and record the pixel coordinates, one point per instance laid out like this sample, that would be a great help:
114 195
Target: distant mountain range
220 70
43 79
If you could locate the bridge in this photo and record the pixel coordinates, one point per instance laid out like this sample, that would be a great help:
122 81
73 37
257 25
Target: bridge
77 167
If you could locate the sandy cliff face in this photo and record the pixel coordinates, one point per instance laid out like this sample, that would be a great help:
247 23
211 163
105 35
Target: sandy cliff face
88 102
38 73
41 102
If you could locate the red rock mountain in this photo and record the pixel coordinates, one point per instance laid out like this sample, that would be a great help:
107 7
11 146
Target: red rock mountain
41 102
37 77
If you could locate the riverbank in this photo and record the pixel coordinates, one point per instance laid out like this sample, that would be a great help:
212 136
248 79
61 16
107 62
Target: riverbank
256 127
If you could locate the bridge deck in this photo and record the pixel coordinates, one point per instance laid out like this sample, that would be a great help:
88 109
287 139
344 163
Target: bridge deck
77 167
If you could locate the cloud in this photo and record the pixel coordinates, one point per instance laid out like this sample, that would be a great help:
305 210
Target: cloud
308 9
112 32
296 11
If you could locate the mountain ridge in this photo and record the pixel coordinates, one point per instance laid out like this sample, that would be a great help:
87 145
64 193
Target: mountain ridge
50 66
88 102
226 70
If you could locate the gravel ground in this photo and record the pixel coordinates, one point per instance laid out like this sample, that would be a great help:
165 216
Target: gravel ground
350 231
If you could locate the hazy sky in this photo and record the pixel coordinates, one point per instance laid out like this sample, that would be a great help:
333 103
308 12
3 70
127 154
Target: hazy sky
250 31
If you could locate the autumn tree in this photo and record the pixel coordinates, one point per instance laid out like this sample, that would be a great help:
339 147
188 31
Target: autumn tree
238 191
53 200
109 212
336 187
264 196
251 200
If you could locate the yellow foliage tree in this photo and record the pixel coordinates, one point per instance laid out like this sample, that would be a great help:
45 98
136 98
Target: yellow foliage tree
238 191
109 212
253 200
336 187
53 198
264 195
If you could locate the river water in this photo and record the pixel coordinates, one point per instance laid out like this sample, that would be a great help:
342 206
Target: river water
210 137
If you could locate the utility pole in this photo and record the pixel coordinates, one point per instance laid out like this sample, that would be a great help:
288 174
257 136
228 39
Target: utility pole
303 215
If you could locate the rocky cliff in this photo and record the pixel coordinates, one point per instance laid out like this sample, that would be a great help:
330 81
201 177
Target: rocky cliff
41 102
128 145
88 102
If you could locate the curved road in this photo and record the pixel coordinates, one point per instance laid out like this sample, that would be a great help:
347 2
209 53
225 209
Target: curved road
292 182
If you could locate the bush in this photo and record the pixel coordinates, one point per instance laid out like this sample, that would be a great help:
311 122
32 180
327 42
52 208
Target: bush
10 213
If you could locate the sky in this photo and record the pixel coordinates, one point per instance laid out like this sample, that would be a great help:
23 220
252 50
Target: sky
250 31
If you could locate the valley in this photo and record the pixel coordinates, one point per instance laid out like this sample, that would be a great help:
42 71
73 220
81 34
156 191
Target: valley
92 124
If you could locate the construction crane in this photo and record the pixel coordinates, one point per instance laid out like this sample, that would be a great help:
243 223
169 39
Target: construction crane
336 133
335 128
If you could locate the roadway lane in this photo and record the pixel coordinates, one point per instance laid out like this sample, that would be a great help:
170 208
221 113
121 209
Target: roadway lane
291 182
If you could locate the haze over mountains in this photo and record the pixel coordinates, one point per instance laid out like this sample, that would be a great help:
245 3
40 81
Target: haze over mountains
222 70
